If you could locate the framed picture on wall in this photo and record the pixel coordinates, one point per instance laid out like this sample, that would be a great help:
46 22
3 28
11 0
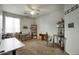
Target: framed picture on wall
25 27
71 25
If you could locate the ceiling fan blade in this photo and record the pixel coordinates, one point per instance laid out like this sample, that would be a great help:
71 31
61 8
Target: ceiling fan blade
30 8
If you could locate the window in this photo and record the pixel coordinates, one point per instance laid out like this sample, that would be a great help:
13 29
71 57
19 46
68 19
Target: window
12 25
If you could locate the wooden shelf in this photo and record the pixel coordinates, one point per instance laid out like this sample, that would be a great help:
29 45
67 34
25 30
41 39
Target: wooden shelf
34 31
61 32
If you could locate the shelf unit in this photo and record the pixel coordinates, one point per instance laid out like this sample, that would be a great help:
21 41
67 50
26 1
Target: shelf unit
60 27
34 31
61 31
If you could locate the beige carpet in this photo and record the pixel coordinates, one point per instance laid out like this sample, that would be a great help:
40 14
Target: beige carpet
37 47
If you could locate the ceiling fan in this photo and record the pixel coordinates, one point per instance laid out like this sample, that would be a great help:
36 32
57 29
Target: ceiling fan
32 9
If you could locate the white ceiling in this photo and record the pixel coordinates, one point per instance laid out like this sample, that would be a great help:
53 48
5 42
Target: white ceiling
23 9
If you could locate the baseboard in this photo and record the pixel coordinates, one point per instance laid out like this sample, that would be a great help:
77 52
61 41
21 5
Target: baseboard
66 53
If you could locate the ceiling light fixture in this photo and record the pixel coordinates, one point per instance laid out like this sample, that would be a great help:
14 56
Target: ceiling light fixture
32 12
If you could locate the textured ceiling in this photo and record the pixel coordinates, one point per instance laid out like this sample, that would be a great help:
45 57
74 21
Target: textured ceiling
24 9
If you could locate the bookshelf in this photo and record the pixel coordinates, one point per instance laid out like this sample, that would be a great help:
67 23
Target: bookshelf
61 31
34 31
60 26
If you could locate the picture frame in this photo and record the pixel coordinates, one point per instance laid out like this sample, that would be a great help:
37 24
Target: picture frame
25 27
71 25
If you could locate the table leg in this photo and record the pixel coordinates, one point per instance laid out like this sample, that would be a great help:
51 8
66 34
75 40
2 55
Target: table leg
14 52
53 40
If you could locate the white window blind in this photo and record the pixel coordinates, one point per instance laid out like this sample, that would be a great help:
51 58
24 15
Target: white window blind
12 25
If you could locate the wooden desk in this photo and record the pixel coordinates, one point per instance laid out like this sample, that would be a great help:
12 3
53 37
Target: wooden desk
43 37
10 44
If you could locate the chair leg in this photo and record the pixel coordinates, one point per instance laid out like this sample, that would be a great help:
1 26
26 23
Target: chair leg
53 40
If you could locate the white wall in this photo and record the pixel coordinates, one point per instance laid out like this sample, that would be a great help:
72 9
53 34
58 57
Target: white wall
26 22
72 34
0 23
47 23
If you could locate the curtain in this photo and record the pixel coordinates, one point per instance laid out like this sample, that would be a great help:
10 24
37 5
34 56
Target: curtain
12 25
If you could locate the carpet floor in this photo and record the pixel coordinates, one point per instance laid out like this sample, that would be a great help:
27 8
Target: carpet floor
38 47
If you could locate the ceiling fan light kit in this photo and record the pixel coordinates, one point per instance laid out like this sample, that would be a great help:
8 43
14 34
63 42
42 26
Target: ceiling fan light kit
32 12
